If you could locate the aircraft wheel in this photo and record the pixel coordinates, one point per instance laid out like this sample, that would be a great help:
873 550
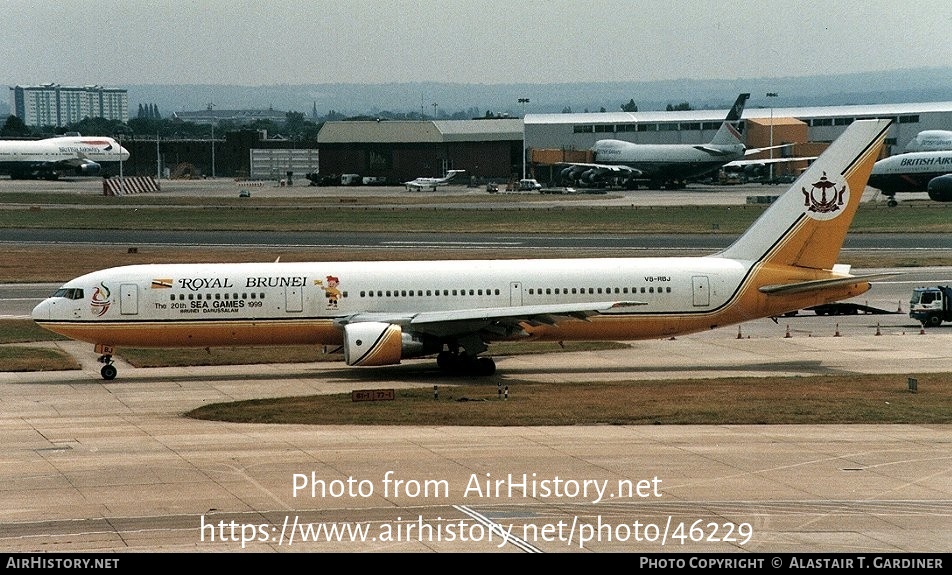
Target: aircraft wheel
484 366
108 372
447 360
892 203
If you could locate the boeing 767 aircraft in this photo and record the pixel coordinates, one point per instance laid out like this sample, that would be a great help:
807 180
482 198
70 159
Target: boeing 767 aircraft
379 313
52 157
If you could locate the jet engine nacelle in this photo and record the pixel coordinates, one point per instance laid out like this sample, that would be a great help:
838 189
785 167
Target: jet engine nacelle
88 168
571 174
940 188
592 176
378 343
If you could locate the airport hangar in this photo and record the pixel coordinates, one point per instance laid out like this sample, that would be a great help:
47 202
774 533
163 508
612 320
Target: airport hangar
492 149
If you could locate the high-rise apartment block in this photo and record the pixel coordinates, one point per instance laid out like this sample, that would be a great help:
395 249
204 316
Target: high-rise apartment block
55 105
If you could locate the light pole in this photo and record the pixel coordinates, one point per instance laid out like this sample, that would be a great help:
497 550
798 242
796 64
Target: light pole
770 166
523 101
158 157
122 181
213 149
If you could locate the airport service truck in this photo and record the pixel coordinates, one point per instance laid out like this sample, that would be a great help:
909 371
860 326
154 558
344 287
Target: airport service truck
931 305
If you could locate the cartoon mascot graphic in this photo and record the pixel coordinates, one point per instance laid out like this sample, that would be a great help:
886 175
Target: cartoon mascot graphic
331 289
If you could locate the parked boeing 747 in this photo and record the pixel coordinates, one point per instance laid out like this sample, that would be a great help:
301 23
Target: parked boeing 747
667 165
63 155
379 313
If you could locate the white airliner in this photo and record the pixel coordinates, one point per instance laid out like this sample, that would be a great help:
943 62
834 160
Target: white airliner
666 165
382 312
930 141
52 157
929 172
432 183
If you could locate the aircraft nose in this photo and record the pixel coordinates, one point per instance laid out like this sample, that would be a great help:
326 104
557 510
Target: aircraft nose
123 153
42 311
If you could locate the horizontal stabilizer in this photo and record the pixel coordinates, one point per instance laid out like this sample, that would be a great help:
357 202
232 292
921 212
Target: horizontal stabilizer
814 285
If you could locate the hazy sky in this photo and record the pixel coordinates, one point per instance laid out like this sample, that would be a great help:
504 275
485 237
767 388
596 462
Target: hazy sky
120 42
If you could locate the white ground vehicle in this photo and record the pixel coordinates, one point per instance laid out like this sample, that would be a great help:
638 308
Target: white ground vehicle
529 185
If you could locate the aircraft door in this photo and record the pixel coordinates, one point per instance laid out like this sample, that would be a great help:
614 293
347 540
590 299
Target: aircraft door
515 293
129 299
702 291
294 299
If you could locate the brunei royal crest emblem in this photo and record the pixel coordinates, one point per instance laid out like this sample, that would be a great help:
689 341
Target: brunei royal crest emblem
824 199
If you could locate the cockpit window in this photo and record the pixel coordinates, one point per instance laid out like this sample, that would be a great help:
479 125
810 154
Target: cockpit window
69 293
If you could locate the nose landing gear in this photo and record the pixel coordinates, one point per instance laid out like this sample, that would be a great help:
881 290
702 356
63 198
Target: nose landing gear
108 370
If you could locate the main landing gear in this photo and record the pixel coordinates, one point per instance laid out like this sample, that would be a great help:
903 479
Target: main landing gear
108 370
465 364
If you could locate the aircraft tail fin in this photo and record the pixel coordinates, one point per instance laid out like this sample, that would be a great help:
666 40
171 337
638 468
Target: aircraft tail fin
806 225
728 133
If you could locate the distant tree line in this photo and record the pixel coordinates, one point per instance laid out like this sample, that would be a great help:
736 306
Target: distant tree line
296 126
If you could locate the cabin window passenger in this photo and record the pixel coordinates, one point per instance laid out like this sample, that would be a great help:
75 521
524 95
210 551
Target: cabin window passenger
471 292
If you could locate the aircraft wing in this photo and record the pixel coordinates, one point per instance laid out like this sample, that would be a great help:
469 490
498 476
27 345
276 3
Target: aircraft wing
764 161
714 151
752 151
620 169
495 319
78 162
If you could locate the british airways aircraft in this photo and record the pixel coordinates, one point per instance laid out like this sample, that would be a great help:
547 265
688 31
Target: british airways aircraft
668 165
64 155
929 172
379 313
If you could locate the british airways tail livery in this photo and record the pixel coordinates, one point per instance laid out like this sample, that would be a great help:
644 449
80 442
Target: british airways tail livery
52 157
379 313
